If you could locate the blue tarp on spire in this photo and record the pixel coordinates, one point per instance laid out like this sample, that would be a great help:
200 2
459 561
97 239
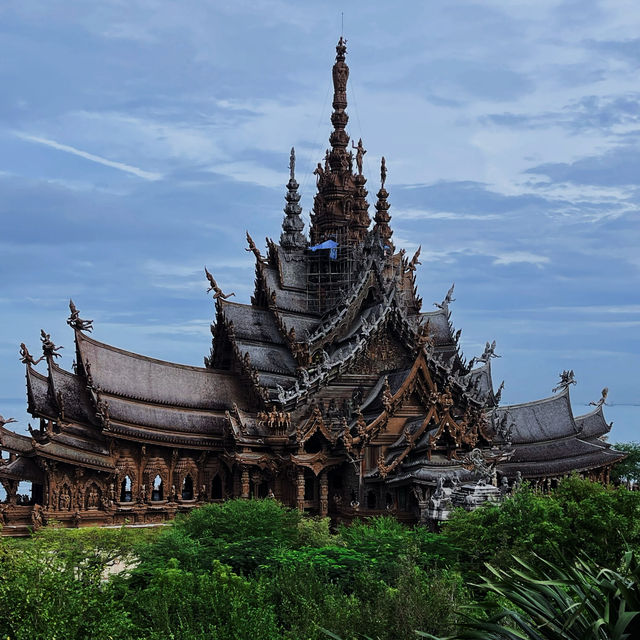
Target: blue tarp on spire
332 245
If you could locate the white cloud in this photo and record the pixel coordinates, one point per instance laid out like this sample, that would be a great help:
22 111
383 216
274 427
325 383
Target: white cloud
121 166
515 257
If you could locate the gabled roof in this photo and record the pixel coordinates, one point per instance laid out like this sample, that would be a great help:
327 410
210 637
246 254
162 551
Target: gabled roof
252 323
439 326
39 396
134 376
593 424
541 420
153 416
22 469
73 394
481 376
14 442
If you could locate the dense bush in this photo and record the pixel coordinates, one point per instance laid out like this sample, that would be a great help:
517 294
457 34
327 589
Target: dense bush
601 521
255 569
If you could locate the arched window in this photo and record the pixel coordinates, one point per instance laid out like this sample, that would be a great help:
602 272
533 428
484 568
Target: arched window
25 492
187 488
126 492
216 488
3 493
157 493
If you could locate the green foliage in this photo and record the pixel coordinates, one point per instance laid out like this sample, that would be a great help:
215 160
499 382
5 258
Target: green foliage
629 468
53 587
216 605
255 569
337 563
570 600
240 533
579 515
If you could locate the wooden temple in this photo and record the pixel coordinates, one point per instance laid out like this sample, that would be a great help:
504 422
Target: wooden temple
332 391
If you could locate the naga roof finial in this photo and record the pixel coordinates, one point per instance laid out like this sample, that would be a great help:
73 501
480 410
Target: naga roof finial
75 321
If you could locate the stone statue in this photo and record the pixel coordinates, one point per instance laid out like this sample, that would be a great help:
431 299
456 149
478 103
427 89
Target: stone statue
383 172
214 287
360 151
26 357
476 462
518 481
75 321
48 348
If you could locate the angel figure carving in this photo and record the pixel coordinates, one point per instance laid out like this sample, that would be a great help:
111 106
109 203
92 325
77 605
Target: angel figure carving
448 299
605 393
414 261
214 287
567 378
252 247
26 357
360 151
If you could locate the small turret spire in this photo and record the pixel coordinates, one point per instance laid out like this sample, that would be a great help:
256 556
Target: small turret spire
382 216
292 237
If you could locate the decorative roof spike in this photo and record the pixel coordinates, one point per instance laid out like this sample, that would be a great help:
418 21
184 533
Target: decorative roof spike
75 321
567 378
292 237
382 216
49 349
26 357
603 398
213 286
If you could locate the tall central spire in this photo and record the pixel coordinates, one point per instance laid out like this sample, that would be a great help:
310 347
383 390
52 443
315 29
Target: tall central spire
339 138
340 208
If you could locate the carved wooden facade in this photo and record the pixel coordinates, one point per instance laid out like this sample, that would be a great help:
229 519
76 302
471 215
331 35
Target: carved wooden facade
332 391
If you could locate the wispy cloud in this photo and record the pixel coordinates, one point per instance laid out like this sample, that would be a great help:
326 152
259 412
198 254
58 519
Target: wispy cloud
121 166
515 257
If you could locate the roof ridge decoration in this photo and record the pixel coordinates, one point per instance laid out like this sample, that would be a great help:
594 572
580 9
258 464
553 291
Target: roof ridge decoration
75 321
292 238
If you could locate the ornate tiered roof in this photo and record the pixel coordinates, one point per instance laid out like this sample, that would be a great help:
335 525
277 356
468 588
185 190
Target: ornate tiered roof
331 390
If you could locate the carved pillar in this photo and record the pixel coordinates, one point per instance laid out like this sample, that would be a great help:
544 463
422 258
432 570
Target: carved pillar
244 483
256 478
324 494
237 488
300 489
12 491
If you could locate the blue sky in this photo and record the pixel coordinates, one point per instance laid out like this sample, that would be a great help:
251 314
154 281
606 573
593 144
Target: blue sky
139 139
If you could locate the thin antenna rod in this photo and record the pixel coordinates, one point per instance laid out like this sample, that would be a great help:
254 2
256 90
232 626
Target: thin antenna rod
342 24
